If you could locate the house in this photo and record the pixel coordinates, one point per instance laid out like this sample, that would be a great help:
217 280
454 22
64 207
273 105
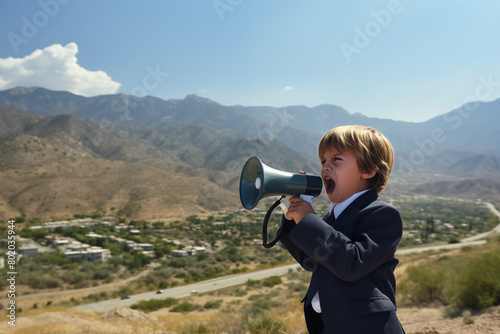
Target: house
28 250
179 253
93 253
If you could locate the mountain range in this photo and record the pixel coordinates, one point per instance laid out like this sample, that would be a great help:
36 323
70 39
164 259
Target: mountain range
148 158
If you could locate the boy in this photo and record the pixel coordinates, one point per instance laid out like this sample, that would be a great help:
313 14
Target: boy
350 251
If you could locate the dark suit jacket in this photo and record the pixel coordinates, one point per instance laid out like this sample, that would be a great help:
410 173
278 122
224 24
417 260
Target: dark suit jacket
353 261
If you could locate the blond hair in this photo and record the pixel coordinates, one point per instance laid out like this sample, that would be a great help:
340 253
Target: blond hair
373 151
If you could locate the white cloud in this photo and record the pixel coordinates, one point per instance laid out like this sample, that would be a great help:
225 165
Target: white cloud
286 89
55 67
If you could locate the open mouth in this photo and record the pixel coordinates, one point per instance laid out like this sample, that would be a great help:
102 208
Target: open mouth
329 185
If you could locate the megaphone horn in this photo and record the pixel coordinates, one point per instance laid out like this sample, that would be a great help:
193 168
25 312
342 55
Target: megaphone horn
258 181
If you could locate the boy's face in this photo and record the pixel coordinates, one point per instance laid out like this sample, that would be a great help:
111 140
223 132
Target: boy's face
341 175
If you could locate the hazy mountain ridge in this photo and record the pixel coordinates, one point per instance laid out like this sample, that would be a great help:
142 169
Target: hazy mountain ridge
472 126
203 145
14 121
56 166
484 189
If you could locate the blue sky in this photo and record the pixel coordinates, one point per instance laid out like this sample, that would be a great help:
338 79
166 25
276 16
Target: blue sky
404 60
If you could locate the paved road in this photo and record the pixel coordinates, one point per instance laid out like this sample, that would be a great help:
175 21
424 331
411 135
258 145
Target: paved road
186 290
494 231
470 241
228 281
438 247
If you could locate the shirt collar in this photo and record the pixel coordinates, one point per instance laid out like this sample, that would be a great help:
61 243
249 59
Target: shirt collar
339 207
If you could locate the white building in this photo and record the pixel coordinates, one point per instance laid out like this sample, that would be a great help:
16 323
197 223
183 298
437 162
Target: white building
93 253
179 253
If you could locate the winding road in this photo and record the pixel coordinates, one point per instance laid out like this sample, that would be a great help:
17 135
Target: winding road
187 290
238 279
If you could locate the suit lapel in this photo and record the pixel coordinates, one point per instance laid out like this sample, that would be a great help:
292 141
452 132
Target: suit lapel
329 218
354 208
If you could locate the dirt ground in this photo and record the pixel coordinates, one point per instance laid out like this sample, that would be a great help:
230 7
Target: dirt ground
431 321
425 320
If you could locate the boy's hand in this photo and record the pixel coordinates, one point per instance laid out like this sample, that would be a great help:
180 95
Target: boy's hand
298 209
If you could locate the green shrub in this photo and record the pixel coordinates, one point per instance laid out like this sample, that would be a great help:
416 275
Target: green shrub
201 257
213 304
51 258
478 283
125 291
264 324
297 287
44 282
184 307
102 274
74 276
95 297
200 329
260 306
422 285
251 283
272 281
154 304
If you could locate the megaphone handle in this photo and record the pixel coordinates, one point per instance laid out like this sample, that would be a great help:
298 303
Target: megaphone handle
307 198
266 221
283 207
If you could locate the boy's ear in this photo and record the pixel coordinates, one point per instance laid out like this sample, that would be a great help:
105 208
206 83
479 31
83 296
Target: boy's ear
370 174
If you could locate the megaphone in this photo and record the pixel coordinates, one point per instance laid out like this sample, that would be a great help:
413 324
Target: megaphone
259 181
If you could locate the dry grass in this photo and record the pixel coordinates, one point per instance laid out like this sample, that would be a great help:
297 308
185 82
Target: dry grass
240 305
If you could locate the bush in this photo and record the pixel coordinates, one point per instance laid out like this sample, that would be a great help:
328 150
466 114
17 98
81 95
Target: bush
125 291
51 258
201 257
74 277
297 287
213 304
184 307
252 283
261 306
154 304
478 284
44 282
422 285
272 281
200 329
180 262
95 297
264 324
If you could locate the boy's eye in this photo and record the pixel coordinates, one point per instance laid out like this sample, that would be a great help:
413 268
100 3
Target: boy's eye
322 162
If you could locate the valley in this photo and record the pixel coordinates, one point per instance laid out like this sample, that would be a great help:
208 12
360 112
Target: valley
167 172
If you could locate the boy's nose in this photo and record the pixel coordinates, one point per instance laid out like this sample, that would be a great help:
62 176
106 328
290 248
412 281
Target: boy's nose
326 166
